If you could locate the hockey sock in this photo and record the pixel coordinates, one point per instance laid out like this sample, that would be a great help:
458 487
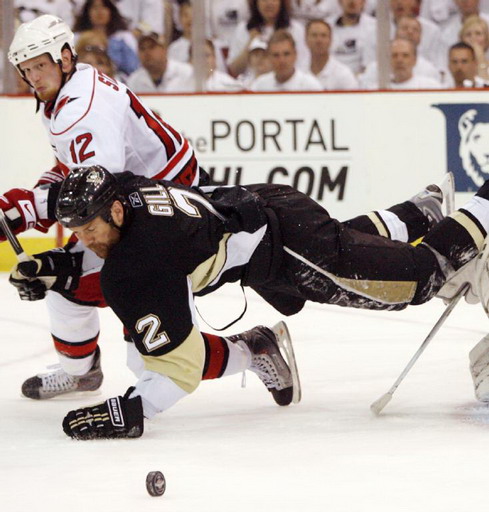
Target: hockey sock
223 357
403 222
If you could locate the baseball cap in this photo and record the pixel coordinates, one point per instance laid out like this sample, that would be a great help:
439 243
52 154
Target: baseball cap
151 36
257 44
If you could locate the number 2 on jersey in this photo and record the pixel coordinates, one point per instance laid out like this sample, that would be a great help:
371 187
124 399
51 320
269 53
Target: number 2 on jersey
152 339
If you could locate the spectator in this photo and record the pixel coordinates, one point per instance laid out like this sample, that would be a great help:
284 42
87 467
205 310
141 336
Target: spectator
103 16
475 32
223 17
143 15
27 10
258 62
438 11
266 17
410 29
307 10
403 61
351 32
465 8
180 48
462 64
284 75
157 72
97 57
332 74
217 81
91 38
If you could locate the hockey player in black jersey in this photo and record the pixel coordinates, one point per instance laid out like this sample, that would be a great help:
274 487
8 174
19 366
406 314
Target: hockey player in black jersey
164 243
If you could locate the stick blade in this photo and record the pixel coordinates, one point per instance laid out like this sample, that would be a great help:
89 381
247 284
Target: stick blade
380 403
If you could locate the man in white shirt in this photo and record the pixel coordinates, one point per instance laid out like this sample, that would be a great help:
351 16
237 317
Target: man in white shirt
410 29
463 67
403 61
332 74
158 73
284 75
352 32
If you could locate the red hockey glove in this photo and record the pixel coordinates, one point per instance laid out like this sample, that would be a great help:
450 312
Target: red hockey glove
18 206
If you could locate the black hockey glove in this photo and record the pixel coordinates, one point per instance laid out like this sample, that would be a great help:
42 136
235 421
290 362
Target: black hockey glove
115 418
57 270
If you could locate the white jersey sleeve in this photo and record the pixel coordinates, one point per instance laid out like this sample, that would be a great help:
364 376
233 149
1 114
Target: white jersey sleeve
97 120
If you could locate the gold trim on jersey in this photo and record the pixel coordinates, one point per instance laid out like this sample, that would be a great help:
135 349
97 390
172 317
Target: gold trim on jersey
208 270
470 226
183 365
379 225
390 292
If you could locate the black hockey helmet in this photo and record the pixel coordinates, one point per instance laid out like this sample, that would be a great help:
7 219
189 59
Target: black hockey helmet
86 193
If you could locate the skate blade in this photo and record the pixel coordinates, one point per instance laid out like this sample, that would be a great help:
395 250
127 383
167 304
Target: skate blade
447 186
285 343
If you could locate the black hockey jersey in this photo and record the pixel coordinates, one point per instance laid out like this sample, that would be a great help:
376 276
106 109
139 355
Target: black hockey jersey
176 242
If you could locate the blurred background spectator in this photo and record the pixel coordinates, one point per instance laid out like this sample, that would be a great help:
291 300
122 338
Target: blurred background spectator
462 64
266 16
258 62
352 30
104 17
475 32
327 69
158 73
284 75
465 8
215 80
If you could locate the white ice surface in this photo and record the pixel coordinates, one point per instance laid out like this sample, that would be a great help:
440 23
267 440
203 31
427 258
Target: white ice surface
227 449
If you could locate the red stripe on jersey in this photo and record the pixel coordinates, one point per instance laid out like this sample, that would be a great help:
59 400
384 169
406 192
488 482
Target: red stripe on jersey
187 175
176 159
87 111
216 356
89 290
75 350
154 125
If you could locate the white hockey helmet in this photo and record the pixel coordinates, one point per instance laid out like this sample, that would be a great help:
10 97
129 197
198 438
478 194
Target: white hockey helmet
45 34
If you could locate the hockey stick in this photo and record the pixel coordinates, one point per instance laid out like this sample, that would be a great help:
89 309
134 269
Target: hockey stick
380 403
14 242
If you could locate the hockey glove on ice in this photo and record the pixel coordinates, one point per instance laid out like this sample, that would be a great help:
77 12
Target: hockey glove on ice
58 270
115 418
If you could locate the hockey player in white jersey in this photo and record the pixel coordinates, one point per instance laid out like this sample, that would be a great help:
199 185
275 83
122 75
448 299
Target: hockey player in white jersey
89 118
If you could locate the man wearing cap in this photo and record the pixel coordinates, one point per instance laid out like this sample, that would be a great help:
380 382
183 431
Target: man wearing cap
158 73
284 75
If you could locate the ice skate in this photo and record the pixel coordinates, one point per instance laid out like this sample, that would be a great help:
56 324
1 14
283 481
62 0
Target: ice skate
57 382
279 374
437 201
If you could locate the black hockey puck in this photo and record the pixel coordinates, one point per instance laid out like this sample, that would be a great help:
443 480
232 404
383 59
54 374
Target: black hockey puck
156 483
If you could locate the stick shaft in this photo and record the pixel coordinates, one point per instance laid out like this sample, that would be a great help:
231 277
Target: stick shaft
14 242
430 336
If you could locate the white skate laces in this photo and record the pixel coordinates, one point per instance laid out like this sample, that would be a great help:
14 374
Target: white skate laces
57 380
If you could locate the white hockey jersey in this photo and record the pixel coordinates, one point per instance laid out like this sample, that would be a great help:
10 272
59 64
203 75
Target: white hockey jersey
98 120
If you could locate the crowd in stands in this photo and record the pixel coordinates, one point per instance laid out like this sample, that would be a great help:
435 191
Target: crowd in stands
277 45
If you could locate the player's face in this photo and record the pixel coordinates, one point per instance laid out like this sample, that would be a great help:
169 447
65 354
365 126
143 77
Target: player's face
318 38
282 57
43 75
99 236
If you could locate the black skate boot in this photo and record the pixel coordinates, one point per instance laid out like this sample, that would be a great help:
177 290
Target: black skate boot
57 382
267 361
